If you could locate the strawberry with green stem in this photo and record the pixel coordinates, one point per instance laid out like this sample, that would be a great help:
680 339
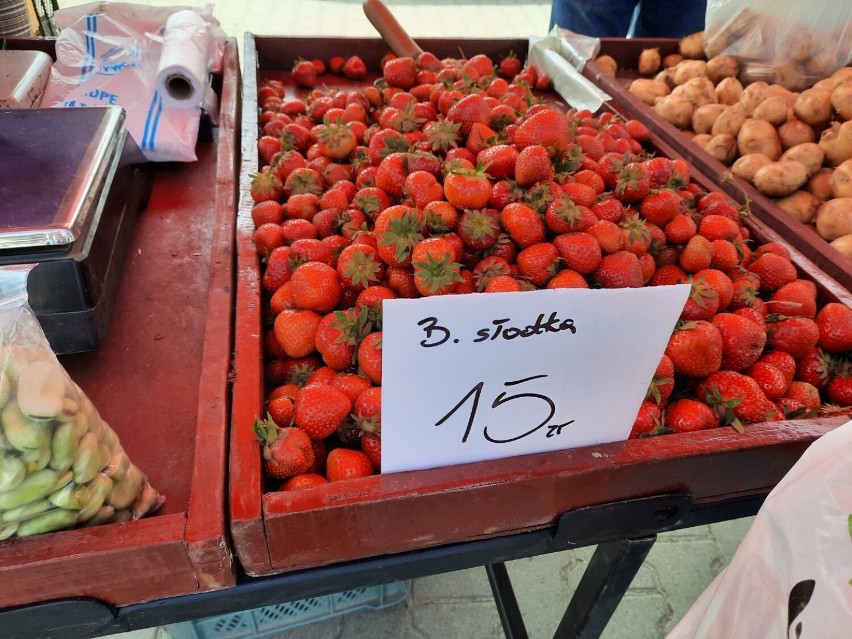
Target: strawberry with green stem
286 451
398 229
435 267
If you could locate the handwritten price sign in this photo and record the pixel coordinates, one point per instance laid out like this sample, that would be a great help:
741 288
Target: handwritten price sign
475 377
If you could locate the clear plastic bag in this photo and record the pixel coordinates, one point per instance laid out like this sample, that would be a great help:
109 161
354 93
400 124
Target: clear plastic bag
61 465
788 42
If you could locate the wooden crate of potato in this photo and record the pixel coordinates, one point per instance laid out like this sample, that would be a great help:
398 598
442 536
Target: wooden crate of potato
787 152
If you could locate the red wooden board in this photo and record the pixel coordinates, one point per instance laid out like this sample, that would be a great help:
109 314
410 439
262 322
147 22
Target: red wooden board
278 531
804 237
160 379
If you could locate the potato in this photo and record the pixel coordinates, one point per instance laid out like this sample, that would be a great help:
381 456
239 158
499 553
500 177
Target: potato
747 165
648 90
843 74
820 184
801 205
699 91
789 75
675 110
723 147
689 69
773 110
721 67
841 100
649 61
844 245
689 135
836 141
794 132
834 218
705 115
758 136
728 91
753 95
692 46
841 180
701 139
780 178
607 64
729 121
777 91
813 106
672 59
808 153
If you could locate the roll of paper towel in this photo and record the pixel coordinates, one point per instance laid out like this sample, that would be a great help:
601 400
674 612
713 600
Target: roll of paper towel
182 72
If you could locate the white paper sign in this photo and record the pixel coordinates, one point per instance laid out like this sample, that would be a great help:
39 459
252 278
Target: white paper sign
473 377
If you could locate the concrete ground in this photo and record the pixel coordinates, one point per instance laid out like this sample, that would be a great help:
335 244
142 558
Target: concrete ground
459 604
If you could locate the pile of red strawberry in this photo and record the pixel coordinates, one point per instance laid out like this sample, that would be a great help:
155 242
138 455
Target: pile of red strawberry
453 177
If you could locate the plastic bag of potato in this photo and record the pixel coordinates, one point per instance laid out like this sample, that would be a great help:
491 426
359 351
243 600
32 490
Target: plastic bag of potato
61 465
789 42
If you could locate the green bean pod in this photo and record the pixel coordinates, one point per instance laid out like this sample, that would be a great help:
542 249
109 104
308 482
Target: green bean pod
70 497
36 459
104 514
57 519
118 465
124 492
22 432
5 388
98 490
63 480
12 472
63 446
26 511
87 460
34 487
8 529
149 499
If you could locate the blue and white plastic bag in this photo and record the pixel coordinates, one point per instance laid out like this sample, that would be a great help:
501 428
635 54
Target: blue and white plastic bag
109 54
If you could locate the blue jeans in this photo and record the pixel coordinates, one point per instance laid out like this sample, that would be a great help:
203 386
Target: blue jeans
612 18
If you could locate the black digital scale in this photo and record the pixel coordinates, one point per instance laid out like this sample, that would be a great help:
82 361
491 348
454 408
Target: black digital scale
71 185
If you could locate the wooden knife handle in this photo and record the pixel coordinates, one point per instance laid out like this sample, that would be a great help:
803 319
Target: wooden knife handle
391 31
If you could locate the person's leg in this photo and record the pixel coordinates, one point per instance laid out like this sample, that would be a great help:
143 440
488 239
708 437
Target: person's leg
669 18
598 18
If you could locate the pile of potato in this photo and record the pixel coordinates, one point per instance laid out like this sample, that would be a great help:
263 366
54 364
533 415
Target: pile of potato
794 146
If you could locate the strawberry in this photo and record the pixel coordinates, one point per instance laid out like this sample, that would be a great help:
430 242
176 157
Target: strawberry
619 270
336 141
815 368
660 207
735 398
278 269
467 189
359 266
338 335
310 250
680 229
662 384
522 224
533 164
479 228
580 251
398 229
304 481
784 362
401 280
423 188
563 216
548 128
303 180
371 446
608 234
370 357
498 160
725 255
510 66
471 108
286 451
320 409
280 410
806 394
477 67
695 349
689 415
742 341
267 238
794 298
718 227
834 322
580 194
296 331
268 147
793 335
265 186
702 303
632 183
354 68
696 255
770 379
345 463
637 235
667 275
400 72
539 263
773 270
391 174
567 278
648 420
839 389
720 283
305 74
502 284
316 287
435 271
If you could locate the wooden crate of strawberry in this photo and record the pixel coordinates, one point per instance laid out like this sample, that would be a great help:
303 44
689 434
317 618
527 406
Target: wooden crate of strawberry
452 177
729 122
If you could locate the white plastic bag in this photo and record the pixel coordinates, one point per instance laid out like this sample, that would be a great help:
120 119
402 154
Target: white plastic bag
108 54
798 42
791 575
